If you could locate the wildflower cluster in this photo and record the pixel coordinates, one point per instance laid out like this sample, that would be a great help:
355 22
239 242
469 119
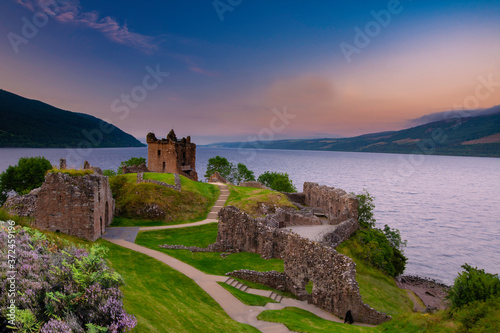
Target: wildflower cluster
62 288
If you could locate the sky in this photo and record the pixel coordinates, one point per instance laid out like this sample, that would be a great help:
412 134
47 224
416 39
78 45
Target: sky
236 70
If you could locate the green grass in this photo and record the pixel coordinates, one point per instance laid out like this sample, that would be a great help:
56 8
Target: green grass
246 298
299 320
73 172
164 300
248 199
193 203
377 289
200 236
161 177
208 262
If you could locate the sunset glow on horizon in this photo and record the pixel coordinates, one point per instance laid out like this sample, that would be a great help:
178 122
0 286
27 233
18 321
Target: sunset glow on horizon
226 76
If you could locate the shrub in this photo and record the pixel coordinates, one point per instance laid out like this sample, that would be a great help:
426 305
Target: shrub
278 181
471 285
242 174
28 174
62 288
382 249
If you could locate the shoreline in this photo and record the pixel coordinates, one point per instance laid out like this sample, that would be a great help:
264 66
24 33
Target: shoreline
431 292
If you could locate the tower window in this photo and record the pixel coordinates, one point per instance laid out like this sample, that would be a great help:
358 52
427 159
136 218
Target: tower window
159 152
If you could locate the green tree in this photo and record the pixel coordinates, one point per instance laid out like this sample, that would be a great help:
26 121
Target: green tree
222 165
242 174
28 174
365 210
472 285
278 181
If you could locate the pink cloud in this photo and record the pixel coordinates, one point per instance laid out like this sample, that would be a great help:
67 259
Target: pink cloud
71 13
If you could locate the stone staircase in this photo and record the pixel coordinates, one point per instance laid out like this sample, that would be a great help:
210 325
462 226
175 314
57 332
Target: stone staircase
219 204
236 284
243 287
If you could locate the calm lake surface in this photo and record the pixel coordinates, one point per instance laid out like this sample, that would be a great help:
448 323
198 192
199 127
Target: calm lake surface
448 208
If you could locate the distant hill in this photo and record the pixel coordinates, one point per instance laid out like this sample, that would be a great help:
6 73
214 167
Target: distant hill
33 124
471 136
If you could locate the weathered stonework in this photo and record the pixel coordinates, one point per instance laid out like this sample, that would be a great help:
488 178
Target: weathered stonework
333 274
273 279
288 217
177 178
81 206
337 204
254 184
217 178
22 205
171 155
134 168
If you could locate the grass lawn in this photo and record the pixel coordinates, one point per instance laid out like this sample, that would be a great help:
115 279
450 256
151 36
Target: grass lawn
208 262
299 320
134 201
248 199
379 290
161 177
164 300
246 298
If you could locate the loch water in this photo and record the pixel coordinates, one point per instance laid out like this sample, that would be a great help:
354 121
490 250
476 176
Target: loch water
446 207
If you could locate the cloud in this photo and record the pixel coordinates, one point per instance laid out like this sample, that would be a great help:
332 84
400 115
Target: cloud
69 12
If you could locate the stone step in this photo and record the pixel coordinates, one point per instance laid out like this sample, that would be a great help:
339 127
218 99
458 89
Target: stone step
216 209
212 215
229 280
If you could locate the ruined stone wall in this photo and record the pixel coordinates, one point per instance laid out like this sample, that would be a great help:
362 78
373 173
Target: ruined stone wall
273 279
22 205
337 204
134 168
292 217
341 233
217 178
254 184
177 178
82 206
333 274
297 198
172 156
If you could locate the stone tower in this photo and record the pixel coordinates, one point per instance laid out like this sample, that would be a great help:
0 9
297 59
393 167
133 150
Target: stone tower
171 155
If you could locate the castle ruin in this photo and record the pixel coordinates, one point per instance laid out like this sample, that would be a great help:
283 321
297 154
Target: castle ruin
170 155
77 205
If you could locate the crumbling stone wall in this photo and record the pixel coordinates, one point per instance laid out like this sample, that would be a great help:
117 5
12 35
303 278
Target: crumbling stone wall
82 206
333 274
171 155
254 184
217 178
273 279
291 217
341 233
177 179
22 205
134 169
337 204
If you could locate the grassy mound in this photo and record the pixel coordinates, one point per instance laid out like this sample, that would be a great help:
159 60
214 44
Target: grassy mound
298 320
164 300
249 199
148 204
208 262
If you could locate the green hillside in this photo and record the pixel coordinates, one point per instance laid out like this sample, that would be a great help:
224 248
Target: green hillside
33 124
472 136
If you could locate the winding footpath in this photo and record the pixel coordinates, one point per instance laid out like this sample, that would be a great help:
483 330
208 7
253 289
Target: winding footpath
125 236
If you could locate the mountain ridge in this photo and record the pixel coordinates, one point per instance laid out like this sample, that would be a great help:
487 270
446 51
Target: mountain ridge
477 135
29 123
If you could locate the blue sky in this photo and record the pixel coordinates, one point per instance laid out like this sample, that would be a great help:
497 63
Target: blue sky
228 79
